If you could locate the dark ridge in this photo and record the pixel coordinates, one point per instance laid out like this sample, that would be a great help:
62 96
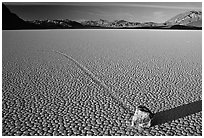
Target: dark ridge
176 113
11 21
182 27
174 27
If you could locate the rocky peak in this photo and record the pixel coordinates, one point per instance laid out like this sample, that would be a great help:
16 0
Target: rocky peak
186 18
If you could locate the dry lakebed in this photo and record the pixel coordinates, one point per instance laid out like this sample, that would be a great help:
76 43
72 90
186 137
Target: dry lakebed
79 82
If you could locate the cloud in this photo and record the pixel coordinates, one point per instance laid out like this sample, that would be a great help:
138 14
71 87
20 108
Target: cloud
159 16
158 13
165 5
161 6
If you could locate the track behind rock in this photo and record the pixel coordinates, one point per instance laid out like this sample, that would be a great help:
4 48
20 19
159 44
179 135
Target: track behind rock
115 95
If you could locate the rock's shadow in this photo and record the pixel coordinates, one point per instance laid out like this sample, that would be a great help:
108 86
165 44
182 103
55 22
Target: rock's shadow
176 113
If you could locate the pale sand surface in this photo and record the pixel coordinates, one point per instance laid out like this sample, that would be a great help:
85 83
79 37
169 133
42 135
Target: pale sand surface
46 93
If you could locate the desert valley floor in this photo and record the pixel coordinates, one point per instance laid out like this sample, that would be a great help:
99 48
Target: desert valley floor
75 82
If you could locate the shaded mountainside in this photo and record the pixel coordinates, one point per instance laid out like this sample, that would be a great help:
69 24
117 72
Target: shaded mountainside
196 23
190 20
11 21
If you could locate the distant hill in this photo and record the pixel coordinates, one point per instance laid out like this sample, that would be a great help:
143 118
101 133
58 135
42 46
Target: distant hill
188 20
57 24
118 24
101 22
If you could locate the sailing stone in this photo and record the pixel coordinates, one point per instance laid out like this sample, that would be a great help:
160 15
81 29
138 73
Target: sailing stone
142 117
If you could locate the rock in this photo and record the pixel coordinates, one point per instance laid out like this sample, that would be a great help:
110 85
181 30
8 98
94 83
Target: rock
142 117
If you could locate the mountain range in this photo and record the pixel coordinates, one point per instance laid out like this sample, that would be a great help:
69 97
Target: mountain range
188 20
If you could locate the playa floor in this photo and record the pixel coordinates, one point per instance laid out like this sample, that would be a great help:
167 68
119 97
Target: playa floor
79 82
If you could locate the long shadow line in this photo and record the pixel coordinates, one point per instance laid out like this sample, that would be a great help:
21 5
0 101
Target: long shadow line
124 104
176 113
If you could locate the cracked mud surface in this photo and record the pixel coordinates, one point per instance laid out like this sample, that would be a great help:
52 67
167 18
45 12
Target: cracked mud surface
44 93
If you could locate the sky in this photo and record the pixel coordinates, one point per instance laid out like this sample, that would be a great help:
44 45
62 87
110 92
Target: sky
131 11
